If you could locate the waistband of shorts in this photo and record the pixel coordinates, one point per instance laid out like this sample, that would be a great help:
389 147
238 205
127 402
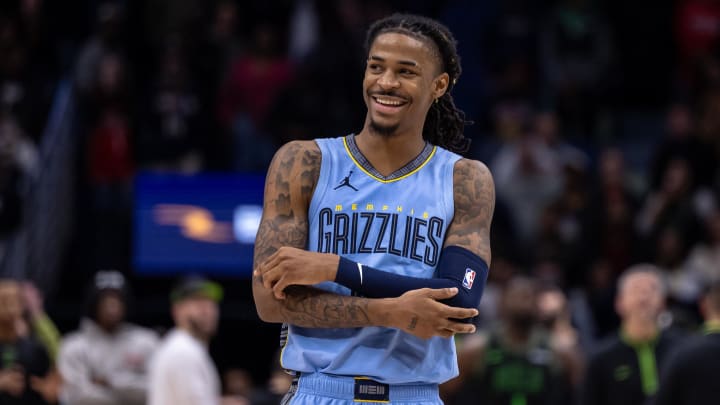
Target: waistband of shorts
343 387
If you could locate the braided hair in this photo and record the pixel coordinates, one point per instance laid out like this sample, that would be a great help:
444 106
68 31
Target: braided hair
444 122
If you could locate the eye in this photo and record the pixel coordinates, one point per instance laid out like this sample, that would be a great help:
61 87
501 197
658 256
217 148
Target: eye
407 72
374 67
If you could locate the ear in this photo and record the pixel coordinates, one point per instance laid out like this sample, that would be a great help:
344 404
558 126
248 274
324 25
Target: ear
440 85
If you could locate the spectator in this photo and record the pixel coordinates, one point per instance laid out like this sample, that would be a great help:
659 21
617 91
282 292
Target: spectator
516 362
554 314
238 384
171 137
684 284
600 298
527 172
106 39
690 376
670 206
182 371
612 214
254 82
25 374
682 142
105 361
624 370
696 32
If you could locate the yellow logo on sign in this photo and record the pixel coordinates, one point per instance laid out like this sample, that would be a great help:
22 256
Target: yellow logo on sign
196 223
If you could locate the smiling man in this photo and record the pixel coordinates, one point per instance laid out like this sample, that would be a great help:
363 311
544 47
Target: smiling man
374 248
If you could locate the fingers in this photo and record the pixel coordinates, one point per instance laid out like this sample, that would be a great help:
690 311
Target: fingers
279 288
442 293
268 264
460 327
270 277
460 313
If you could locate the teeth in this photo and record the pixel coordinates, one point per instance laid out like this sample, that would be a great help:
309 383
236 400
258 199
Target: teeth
385 101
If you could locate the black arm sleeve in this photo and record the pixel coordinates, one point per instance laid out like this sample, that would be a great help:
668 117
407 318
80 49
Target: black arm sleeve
458 267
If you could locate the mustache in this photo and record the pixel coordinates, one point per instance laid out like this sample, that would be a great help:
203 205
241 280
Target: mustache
386 93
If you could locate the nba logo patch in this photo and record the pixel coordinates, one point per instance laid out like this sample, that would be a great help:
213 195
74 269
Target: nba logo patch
469 278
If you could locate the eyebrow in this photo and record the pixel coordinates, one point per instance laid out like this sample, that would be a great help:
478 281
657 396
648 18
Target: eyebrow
401 62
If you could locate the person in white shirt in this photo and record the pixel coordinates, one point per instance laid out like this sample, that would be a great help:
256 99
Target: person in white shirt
182 372
105 361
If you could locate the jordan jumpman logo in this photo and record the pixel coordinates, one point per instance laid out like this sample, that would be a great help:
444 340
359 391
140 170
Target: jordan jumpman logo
346 182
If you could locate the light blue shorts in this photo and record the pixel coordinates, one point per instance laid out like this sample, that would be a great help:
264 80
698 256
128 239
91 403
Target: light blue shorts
322 389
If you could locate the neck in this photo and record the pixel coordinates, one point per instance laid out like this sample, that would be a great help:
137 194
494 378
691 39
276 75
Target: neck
640 330
192 332
109 329
389 153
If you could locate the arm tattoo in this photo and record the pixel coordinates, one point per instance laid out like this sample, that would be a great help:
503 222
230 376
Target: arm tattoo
413 323
290 185
309 307
474 195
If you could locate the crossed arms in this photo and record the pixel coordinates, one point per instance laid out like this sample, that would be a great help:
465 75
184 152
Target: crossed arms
284 271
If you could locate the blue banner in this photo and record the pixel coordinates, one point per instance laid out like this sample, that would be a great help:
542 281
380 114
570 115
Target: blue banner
200 223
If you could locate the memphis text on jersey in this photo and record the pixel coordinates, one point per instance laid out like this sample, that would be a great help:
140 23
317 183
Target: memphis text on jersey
371 228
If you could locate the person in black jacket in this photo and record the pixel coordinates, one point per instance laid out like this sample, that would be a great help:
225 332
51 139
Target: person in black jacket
691 374
624 371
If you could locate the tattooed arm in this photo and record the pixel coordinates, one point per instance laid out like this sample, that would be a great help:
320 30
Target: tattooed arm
289 187
474 194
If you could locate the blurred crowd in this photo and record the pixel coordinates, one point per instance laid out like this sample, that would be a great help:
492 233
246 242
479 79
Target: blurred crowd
598 119
109 360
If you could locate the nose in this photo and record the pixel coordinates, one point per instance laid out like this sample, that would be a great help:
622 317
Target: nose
388 80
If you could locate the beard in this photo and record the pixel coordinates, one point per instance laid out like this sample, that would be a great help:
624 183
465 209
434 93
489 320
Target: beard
382 130
200 330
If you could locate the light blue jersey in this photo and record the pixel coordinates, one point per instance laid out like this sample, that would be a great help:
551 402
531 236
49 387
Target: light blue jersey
396 224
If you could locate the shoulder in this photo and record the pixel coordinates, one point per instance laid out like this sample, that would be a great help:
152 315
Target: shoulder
473 188
177 351
307 151
141 334
472 175
73 341
298 163
471 168
688 351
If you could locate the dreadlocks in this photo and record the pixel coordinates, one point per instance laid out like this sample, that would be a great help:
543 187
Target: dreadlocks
444 122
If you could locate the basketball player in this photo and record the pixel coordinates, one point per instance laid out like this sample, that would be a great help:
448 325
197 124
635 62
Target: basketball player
384 225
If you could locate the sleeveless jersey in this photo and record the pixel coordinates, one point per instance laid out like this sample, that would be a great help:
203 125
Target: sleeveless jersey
395 224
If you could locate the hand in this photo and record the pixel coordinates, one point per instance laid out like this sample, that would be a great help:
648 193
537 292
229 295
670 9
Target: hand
293 266
32 298
419 313
12 381
48 387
